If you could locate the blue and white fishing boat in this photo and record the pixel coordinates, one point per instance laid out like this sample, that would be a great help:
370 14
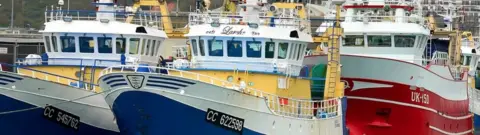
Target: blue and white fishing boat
56 93
243 78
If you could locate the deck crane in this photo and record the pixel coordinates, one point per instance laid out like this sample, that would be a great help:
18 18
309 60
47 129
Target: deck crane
166 21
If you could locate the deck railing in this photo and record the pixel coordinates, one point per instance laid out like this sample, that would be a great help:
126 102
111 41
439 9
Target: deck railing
140 18
258 19
51 77
281 68
392 18
285 106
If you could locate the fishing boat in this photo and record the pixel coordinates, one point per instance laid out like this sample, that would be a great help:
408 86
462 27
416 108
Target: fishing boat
243 78
57 92
397 81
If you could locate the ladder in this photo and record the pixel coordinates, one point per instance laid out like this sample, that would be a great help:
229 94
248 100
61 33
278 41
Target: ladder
332 78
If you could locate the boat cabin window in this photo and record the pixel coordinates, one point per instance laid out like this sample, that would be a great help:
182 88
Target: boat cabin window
300 51
354 40
254 49
47 43
201 47
379 41
147 47
157 50
134 43
120 45
68 43
282 50
291 52
87 44
104 44
269 49
465 60
194 47
234 48
142 48
404 41
152 48
215 47
54 44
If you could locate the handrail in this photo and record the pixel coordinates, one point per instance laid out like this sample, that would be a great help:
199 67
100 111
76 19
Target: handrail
274 67
144 19
285 106
57 77
56 61
260 20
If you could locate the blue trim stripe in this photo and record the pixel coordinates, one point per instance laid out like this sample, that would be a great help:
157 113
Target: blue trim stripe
165 82
2 83
7 80
118 84
110 77
171 79
162 86
13 77
116 80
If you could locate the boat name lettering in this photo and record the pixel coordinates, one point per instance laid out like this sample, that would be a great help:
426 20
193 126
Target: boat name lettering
224 120
420 98
210 32
228 30
254 33
61 117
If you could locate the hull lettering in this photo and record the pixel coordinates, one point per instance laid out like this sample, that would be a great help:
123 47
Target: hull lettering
224 120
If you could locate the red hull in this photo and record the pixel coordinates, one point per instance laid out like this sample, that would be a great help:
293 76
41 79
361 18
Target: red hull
401 115
393 97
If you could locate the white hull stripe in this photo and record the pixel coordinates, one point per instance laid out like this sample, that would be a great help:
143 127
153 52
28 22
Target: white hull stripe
410 105
448 133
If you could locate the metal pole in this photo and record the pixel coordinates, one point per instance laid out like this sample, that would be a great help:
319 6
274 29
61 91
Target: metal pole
11 16
68 5
15 56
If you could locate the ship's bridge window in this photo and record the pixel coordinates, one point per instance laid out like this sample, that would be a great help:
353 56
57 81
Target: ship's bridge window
54 44
282 50
354 40
293 49
269 49
134 43
234 48
194 47
120 45
68 43
152 47
87 44
142 48
47 43
254 49
104 44
465 60
379 41
404 41
157 50
201 47
215 47
300 51
147 48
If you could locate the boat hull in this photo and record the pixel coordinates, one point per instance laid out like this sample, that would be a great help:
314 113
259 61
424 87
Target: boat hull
165 109
388 96
23 108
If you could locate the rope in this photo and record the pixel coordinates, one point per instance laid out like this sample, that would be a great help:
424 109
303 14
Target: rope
38 107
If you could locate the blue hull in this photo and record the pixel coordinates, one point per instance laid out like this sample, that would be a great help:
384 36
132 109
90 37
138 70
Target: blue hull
144 113
33 122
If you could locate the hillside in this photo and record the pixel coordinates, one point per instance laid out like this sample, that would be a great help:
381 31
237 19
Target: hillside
31 12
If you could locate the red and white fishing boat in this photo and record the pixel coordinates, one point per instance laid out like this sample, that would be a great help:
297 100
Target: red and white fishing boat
392 86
